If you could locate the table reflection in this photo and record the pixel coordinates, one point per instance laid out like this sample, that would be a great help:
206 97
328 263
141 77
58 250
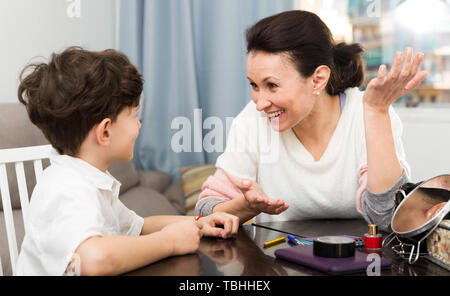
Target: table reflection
185 265
240 256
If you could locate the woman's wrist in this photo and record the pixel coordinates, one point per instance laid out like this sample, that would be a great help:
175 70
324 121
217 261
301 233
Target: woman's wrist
373 110
238 207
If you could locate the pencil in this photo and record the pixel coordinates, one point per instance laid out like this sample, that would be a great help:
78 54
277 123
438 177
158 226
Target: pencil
274 242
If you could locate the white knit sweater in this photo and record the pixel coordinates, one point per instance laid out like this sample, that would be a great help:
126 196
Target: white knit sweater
285 169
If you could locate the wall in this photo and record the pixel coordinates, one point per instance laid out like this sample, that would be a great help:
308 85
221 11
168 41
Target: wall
30 28
426 138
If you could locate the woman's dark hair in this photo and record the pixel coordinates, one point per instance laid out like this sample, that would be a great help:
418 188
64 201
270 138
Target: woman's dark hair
76 90
309 44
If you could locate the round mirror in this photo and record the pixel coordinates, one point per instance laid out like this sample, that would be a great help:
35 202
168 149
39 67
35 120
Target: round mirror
423 207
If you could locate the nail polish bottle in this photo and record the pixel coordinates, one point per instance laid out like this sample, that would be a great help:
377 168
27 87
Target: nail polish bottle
372 240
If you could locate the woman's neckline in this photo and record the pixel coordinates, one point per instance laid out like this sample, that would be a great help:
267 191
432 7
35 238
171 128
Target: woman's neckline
302 148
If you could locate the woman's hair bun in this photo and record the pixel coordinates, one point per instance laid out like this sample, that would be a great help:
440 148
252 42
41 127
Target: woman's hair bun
348 67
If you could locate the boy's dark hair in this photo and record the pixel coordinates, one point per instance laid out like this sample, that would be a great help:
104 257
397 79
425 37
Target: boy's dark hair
309 43
76 90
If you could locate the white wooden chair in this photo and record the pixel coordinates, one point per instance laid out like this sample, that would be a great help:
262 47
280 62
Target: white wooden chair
18 156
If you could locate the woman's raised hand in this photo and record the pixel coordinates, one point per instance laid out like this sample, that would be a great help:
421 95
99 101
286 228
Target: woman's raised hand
384 90
258 200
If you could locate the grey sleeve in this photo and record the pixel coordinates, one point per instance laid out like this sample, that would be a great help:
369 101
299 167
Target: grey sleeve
379 208
205 206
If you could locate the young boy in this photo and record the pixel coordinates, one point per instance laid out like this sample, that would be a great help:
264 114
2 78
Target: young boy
86 104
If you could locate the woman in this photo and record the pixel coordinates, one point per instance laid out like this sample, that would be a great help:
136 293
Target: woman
335 142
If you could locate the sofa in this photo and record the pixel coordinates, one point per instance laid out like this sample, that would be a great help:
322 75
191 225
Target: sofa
145 192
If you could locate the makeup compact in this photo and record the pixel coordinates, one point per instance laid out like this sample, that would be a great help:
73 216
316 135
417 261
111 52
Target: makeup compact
420 208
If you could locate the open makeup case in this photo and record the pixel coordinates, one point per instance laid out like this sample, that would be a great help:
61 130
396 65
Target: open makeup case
421 221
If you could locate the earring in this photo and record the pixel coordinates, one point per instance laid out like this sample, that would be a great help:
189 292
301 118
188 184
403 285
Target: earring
316 92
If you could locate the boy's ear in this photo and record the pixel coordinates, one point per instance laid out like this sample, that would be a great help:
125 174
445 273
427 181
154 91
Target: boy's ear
102 132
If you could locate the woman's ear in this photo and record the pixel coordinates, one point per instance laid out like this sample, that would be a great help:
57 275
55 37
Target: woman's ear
102 132
320 79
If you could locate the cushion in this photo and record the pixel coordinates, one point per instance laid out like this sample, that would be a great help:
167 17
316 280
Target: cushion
193 178
14 121
147 202
17 129
175 195
126 174
155 179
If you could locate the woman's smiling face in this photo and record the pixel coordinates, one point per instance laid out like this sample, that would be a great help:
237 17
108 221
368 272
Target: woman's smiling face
278 89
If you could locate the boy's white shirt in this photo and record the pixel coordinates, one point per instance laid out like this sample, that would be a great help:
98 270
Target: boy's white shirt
72 201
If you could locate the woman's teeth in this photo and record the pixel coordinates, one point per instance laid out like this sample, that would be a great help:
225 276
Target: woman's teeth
275 114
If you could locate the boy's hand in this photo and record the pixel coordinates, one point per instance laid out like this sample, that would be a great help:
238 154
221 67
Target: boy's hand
258 200
184 236
209 225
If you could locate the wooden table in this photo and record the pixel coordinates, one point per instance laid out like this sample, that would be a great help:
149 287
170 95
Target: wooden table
245 255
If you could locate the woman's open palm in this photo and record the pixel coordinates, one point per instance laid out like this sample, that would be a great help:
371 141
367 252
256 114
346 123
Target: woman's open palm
384 90
258 200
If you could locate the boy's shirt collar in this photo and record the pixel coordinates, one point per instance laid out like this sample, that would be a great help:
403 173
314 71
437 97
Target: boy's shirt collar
101 180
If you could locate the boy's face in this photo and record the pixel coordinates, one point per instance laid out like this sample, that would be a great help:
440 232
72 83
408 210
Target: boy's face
124 133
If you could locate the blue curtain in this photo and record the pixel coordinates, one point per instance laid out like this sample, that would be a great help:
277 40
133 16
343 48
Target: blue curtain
192 54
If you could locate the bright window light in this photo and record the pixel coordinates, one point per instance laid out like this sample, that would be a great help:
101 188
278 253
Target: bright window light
421 16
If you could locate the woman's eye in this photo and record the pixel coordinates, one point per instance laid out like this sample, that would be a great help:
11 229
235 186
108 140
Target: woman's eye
272 85
253 85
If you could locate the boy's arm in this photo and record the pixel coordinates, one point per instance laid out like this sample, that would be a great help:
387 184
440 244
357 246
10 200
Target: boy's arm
112 255
167 236
156 223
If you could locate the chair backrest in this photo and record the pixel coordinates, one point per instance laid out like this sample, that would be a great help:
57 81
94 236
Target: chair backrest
18 156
